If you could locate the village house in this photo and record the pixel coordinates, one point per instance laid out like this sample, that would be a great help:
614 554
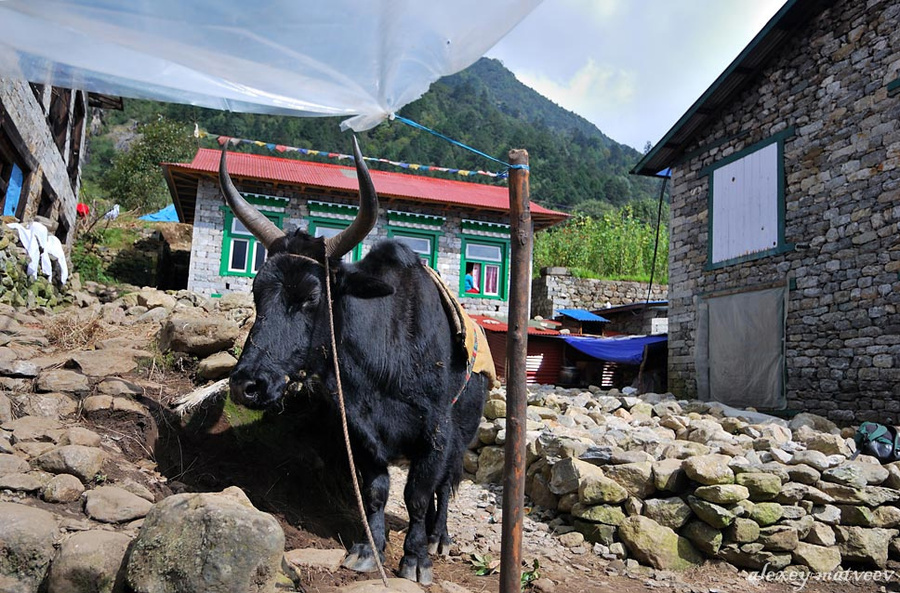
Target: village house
785 203
42 139
456 227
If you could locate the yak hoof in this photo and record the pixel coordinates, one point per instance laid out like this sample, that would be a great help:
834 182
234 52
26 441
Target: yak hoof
440 547
360 559
414 570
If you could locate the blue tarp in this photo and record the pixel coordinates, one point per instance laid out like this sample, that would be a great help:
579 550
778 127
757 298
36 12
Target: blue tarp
625 350
582 315
167 214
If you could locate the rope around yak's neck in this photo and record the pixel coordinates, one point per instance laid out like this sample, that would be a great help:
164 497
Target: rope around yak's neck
340 393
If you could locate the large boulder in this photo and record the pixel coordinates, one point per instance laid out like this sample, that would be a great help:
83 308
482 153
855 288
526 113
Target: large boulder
817 558
863 545
216 543
198 336
90 561
656 545
26 547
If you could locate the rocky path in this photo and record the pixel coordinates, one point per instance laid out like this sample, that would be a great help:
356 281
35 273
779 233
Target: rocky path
103 488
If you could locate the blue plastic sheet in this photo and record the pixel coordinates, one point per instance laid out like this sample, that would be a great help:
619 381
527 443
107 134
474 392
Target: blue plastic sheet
624 350
167 214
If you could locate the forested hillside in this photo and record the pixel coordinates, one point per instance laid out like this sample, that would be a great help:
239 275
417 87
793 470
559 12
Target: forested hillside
573 165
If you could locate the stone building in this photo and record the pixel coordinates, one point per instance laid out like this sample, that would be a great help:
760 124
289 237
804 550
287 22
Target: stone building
42 137
785 203
456 227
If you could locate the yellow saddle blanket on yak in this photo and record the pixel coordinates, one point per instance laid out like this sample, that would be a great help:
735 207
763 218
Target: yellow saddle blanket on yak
467 333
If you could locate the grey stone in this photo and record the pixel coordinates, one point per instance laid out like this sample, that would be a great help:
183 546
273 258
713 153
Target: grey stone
596 489
815 459
668 512
864 545
779 538
12 464
490 465
34 428
198 336
78 460
668 475
206 542
63 381
709 469
63 488
101 363
636 478
568 473
220 365
311 558
716 516
742 531
90 561
28 535
820 534
21 482
705 538
603 513
766 513
656 545
111 504
818 558
760 486
47 405
723 493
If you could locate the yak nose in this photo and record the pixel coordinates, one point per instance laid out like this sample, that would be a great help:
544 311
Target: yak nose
248 390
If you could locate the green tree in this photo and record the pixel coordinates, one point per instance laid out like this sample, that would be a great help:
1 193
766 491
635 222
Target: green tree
135 180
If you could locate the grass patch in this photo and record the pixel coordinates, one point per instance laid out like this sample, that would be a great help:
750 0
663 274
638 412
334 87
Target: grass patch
70 333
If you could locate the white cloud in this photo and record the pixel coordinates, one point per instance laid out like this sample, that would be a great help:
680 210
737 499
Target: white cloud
593 89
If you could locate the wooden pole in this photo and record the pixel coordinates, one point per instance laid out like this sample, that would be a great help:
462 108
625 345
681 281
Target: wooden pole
516 391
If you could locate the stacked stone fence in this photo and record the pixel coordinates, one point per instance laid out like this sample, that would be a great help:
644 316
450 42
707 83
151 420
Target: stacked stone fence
669 483
556 288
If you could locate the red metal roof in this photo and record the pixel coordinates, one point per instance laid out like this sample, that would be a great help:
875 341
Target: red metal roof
495 325
389 185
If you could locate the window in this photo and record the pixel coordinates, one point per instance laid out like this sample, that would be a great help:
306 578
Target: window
329 228
242 254
13 177
424 243
746 204
484 268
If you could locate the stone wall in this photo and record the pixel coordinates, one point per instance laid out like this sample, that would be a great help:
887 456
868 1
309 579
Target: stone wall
206 250
48 174
842 207
557 289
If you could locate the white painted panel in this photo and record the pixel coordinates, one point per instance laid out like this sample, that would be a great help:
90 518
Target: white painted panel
745 205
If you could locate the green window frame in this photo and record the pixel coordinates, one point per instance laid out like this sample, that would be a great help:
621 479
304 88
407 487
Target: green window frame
424 243
242 254
489 257
781 245
328 227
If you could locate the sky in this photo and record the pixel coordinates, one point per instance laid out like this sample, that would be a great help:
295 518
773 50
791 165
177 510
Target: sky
631 67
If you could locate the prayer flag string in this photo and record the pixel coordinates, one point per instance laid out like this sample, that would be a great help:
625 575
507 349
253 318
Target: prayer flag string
198 133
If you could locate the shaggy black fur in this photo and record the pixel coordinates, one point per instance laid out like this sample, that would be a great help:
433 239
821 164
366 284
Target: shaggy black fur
399 372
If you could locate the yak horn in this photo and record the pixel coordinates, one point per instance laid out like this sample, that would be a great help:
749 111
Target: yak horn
366 217
261 227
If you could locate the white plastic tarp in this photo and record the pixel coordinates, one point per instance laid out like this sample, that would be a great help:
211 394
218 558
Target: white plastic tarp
361 58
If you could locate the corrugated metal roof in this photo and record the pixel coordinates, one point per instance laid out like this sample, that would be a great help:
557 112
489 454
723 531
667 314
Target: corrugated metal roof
415 188
581 315
495 325
782 27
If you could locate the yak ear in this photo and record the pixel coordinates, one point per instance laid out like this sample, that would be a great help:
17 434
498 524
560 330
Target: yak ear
363 286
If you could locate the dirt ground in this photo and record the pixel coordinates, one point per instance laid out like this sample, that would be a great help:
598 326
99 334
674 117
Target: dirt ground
296 470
